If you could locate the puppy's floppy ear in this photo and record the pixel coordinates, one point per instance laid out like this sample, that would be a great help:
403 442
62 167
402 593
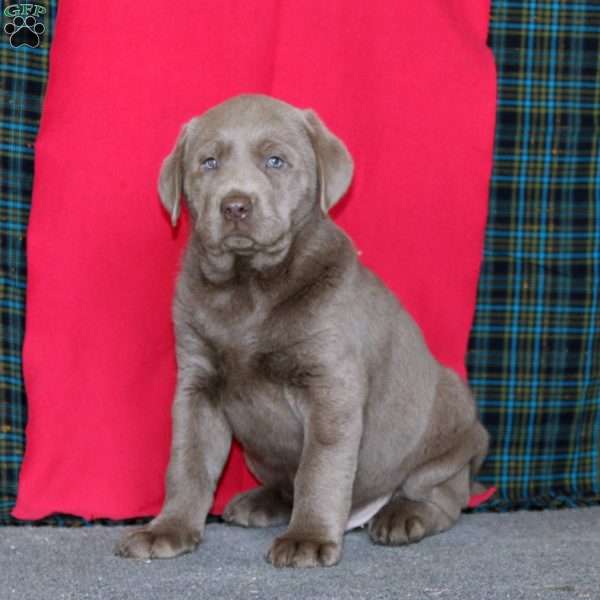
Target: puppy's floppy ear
170 181
333 159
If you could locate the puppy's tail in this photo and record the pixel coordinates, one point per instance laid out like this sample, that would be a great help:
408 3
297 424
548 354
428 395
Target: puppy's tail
479 492
477 489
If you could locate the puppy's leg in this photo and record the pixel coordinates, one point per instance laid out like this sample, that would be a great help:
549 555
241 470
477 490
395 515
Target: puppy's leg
201 442
261 507
325 476
432 497
403 521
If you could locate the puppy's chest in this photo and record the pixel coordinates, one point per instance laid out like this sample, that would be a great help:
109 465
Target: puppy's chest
255 351
262 380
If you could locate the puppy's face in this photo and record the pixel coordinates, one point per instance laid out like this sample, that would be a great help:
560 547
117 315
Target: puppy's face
249 175
252 169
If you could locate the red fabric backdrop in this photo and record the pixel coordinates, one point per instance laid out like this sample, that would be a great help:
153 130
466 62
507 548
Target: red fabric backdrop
409 86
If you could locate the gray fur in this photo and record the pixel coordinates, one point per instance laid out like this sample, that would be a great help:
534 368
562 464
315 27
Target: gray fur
287 343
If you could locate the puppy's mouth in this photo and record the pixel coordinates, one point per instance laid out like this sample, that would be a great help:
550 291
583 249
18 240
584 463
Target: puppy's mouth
244 245
240 244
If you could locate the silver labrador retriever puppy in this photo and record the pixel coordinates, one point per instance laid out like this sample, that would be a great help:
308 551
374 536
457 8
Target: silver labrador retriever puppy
288 344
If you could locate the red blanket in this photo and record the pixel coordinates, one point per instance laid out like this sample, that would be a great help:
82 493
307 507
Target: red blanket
409 86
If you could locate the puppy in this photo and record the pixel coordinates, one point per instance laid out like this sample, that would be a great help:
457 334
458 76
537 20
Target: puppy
287 343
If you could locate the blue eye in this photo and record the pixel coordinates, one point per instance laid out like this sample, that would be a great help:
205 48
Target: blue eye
210 163
274 162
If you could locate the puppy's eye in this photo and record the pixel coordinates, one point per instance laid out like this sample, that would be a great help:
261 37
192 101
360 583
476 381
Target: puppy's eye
274 162
210 163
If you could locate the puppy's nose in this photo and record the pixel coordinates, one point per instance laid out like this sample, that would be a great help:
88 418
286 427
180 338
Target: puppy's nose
236 208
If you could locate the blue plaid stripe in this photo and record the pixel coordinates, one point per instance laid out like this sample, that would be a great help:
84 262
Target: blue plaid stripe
533 356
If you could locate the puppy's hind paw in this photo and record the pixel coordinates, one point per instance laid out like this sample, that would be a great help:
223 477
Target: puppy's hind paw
157 542
260 507
405 522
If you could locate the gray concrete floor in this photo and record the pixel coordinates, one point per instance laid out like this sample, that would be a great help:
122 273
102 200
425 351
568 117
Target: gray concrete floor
550 555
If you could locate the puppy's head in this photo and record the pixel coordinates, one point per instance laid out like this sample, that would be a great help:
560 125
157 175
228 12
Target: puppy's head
252 169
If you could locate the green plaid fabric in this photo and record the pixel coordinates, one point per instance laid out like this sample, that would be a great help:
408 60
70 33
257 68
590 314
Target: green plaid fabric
534 355
23 72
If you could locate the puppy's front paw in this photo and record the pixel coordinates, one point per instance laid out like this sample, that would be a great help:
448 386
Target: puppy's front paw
160 541
297 551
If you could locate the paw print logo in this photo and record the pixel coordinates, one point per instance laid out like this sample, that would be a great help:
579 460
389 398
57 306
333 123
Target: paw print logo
24 31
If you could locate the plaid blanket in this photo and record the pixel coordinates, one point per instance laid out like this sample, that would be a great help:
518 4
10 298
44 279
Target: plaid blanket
533 358
23 69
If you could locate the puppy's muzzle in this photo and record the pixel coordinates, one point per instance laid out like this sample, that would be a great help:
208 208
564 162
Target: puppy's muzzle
236 208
